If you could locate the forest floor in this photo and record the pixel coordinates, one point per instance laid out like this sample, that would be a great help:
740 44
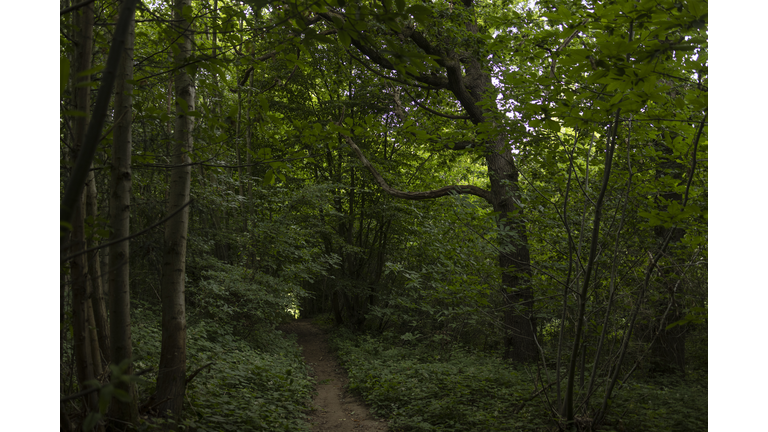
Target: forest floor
334 408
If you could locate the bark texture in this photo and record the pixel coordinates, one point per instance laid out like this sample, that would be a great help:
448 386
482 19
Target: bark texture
81 333
78 266
173 351
101 323
120 215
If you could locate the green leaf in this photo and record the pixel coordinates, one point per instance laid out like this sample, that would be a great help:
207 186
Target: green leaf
63 74
269 178
552 125
91 421
122 395
420 12
400 5
94 70
105 396
186 12
344 38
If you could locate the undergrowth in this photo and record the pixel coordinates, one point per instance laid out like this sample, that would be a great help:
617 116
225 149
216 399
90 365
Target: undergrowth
419 389
245 388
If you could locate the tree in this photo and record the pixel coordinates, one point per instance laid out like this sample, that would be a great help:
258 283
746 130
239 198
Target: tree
86 348
171 378
527 122
431 59
119 252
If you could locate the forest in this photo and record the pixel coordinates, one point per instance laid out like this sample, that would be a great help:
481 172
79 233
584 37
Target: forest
492 213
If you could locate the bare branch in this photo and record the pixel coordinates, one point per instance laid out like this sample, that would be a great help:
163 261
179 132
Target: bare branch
437 193
75 6
397 80
110 243
448 116
197 371
563 45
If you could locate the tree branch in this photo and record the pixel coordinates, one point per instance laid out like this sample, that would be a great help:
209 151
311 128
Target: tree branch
448 116
75 6
82 166
197 371
437 193
460 145
376 57
110 243
563 45
397 80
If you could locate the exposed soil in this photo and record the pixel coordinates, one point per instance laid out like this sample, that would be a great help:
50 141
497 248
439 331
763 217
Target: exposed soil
334 409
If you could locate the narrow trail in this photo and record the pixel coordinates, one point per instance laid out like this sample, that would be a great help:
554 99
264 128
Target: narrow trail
335 410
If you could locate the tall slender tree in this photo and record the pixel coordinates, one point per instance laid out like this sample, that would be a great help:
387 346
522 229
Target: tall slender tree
120 215
173 354
101 323
83 345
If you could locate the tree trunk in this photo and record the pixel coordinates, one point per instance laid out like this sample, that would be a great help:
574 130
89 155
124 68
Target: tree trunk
119 253
514 257
173 351
667 354
78 265
82 336
101 322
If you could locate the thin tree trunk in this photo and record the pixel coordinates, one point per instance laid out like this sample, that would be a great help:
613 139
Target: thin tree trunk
98 368
82 337
568 403
101 322
173 351
78 265
119 253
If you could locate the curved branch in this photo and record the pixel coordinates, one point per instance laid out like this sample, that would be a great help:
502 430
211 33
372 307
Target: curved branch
110 243
460 145
436 193
448 116
376 57
397 80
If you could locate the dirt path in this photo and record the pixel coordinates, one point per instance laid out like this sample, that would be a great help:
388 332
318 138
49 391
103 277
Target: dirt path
335 410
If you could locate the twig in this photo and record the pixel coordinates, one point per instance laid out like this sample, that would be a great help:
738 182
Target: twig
76 6
80 394
693 159
197 371
110 243
448 116
152 406
97 388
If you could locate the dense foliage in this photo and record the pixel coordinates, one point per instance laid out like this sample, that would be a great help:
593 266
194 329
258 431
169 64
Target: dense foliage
256 385
504 204
420 385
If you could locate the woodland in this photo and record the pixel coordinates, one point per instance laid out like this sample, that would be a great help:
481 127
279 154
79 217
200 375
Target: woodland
496 210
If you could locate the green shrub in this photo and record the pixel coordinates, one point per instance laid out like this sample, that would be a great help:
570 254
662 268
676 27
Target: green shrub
420 391
245 389
666 405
